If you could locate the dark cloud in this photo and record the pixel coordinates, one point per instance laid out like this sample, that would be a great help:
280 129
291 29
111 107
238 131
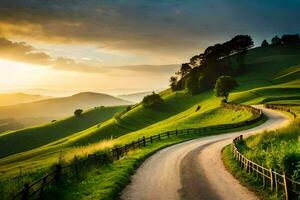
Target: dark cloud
167 27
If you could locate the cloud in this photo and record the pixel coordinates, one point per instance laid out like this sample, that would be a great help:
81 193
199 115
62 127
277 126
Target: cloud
162 28
154 27
20 51
23 52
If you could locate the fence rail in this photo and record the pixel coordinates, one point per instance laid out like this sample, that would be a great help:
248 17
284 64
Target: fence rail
36 189
282 107
273 179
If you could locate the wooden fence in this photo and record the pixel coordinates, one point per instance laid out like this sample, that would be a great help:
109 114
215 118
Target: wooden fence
282 107
268 177
36 189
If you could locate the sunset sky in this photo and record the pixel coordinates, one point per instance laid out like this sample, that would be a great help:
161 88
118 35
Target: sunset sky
122 46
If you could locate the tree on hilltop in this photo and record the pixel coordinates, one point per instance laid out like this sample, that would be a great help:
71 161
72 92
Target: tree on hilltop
78 112
152 101
276 40
184 69
264 43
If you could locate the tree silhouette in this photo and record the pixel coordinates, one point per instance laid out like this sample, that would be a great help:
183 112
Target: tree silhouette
78 112
224 85
264 43
290 39
276 40
242 42
173 83
184 69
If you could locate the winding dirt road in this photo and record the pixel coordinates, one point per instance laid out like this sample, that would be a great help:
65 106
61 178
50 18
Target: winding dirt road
194 169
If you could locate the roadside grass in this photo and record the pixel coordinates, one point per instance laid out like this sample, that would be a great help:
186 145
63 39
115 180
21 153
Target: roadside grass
30 138
279 150
249 180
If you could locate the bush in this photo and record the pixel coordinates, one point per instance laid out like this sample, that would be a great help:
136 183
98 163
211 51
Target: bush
152 100
291 164
128 108
78 112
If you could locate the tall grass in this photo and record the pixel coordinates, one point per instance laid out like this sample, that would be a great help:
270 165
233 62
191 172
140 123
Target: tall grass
278 149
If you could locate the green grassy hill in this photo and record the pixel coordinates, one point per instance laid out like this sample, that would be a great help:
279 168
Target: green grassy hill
30 138
271 76
44 111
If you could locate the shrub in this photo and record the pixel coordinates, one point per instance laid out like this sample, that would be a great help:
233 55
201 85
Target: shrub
128 108
78 112
152 100
291 163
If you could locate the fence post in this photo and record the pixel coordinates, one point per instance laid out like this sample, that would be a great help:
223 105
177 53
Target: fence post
271 180
275 180
263 176
58 172
151 139
176 132
42 187
25 193
285 187
158 136
144 141
168 134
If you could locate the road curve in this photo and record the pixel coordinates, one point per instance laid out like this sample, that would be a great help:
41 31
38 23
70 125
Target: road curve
194 169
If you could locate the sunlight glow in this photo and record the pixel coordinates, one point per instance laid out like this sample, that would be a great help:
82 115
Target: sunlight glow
15 75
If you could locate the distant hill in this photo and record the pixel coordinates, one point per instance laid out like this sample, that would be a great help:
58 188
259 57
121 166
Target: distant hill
51 109
135 97
17 98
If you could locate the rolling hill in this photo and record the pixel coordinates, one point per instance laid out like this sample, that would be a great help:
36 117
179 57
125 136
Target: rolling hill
271 76
18 98
44 111
40 135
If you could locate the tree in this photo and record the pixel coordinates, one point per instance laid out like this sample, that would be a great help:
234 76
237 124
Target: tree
290 39
78 112
151 101
241 42
276 40
173 83
195 61
192 84
224 85
264 43
184 69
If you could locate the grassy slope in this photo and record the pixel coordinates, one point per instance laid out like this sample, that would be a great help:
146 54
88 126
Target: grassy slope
178 112
40 135
272 76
